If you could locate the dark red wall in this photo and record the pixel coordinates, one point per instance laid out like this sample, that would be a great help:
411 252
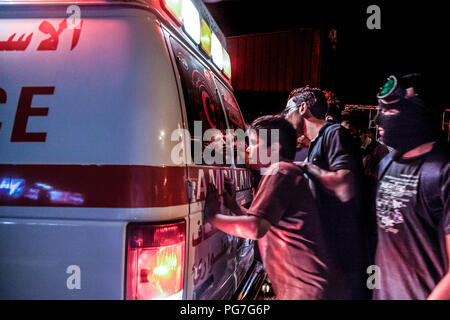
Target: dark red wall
276 62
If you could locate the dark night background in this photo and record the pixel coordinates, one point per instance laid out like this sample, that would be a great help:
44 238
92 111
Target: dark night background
413 38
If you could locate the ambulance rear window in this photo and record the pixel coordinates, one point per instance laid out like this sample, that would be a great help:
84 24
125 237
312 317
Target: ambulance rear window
230 105
200 95
236 124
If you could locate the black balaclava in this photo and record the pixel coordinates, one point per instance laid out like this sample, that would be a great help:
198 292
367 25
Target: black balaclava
408 129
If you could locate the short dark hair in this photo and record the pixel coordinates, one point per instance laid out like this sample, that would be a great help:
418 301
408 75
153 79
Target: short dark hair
287 134
314 98
334 112
414 80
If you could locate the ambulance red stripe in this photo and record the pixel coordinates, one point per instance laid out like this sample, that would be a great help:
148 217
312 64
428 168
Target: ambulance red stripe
105 186
108 186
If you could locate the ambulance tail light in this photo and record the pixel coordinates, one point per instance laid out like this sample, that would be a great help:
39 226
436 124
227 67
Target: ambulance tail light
155 261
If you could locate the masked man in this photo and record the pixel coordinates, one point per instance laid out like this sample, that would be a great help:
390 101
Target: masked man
412 203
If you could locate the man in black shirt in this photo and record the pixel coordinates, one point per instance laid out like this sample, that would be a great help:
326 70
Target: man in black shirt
372 153
413 203
334 167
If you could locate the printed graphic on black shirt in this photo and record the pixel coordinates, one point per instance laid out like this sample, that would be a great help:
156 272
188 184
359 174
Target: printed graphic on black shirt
394 194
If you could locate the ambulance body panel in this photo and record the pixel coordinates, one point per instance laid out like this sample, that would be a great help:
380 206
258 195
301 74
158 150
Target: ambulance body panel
86 164
104 90
30 272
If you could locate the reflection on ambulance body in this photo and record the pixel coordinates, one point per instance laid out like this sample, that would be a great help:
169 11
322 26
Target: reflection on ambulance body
15 188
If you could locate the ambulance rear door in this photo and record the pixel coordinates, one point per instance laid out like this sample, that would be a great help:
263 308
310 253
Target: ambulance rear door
212 253
86 113
240 174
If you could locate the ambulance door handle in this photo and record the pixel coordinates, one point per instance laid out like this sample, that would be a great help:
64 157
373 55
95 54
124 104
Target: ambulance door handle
191 188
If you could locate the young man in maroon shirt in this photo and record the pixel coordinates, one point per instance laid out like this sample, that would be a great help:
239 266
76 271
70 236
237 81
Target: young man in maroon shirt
283 216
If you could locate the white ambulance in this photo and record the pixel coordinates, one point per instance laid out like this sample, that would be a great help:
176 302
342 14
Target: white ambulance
92 204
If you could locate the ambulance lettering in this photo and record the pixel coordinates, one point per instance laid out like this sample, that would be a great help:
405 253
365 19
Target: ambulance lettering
2 100
51 43
241 178
20 44
203 233
73 22
205 265
25 110
215 176
201 185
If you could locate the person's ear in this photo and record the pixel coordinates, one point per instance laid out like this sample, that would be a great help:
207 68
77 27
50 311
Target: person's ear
410 92
303 108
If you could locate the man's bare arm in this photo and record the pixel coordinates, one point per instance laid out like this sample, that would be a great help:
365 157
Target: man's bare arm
442 290
247 226
341 182
243 226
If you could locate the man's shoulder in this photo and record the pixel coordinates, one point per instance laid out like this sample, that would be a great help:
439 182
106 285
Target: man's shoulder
284 168
334 126
380 150
289 168
337 149
335 132
437 161
432 164
438 156
440 152
328 127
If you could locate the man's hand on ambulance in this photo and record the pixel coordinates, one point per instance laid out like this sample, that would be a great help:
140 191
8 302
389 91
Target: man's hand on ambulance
243 226
229 198
212 203
229 195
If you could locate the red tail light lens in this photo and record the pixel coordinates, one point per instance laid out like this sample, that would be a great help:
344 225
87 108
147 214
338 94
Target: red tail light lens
155 261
